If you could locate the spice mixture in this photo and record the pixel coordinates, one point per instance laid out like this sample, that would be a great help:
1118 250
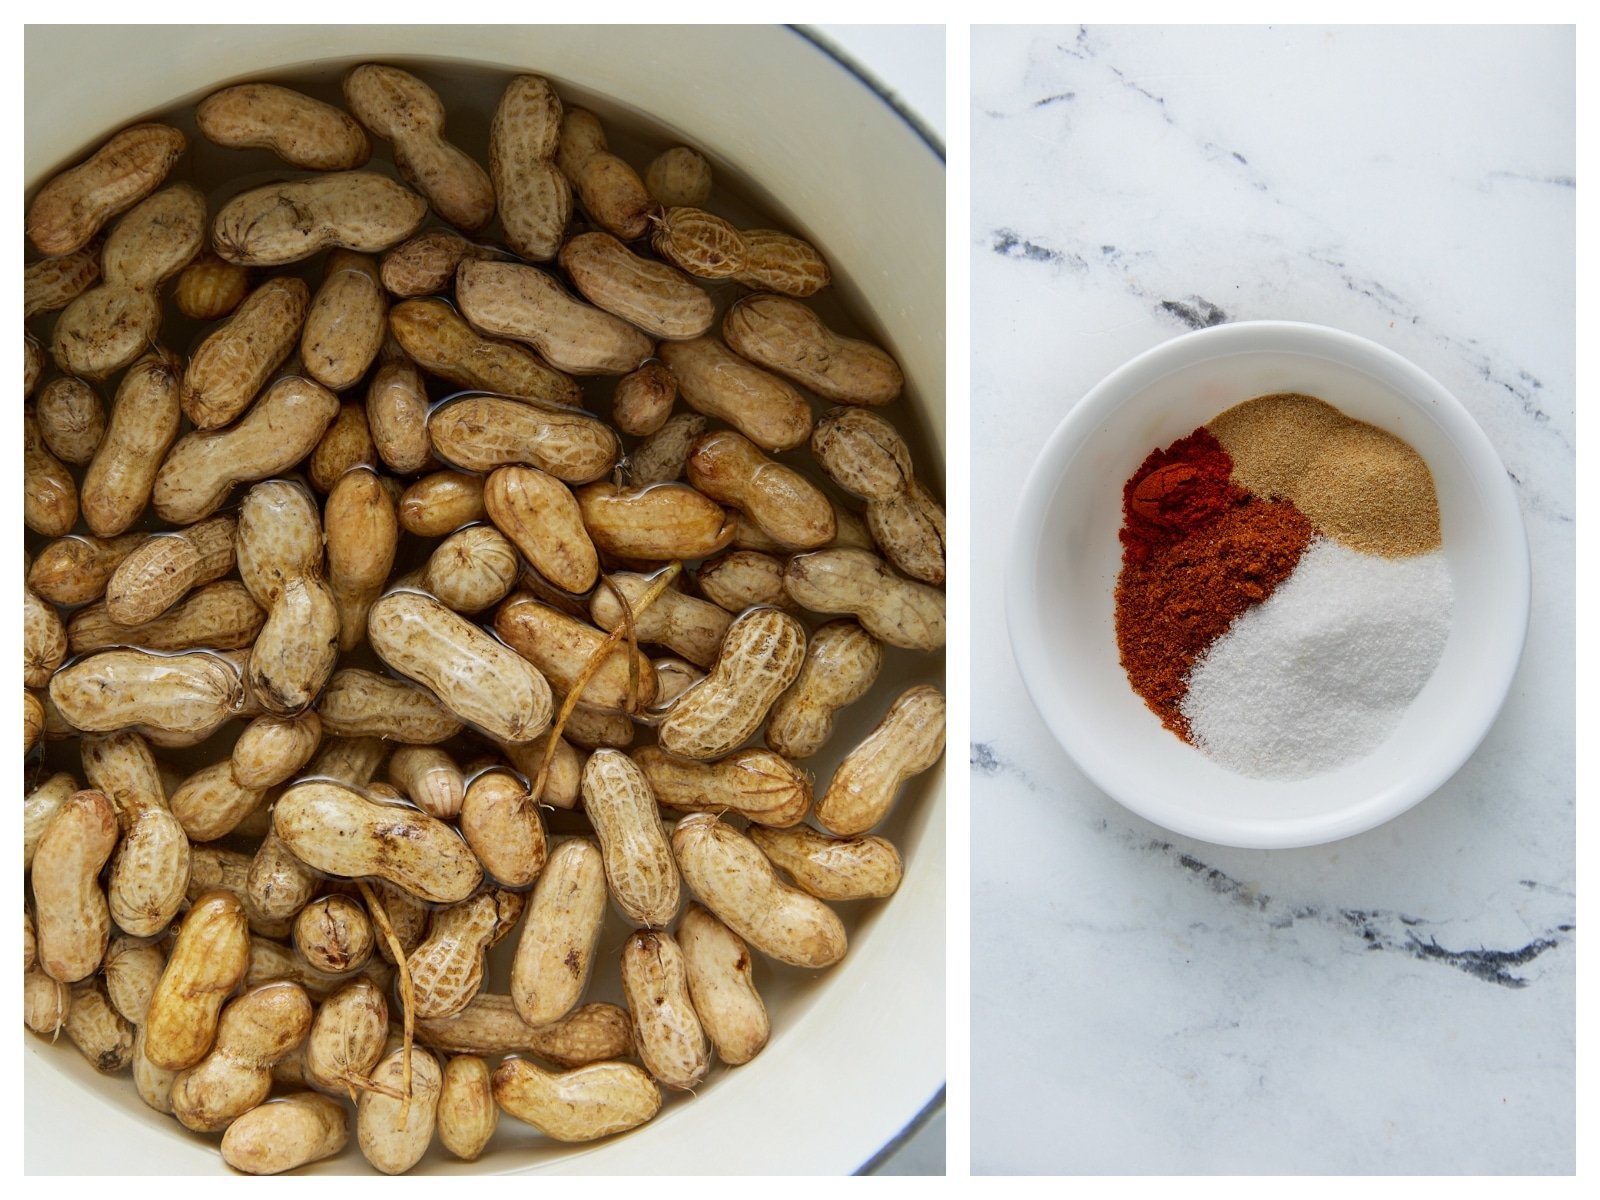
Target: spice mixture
1283 597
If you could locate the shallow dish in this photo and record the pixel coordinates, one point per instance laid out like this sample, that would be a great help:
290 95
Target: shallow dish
1065 558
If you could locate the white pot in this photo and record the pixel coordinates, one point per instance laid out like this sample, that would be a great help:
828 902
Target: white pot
857 1053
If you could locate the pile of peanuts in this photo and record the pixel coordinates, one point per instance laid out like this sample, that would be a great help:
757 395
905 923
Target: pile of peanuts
327 621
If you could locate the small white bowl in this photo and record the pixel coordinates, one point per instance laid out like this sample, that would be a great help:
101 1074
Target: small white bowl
1066 556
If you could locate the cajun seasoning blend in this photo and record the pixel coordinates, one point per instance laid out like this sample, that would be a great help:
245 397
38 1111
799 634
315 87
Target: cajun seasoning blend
1283 597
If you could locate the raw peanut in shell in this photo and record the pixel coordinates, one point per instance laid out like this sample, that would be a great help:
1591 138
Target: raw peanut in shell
472 569
54 283
286 222
741 579
73 920
363 534
643 400
854 868
253 1032
279 885
525 304
785 336
722 986
219 616
399 107
397 413
132 970
555 952
895 610
99 1031
779 262
842 661
500 821
909 528
472 674
760 656
208 289
659 523
297 649
674 676
344 446
698 242
679 177
467 1112
211 803
633 842
272 749
447 968
756 783
190 693
32 363
358 704
105 329
732 878
334 934
45 1003
270 960
235 361
305 133
431 778
70 209
44 640
346 1038
207 962
156 239
347 322
426 263
334 829
561 648
718 383
75 569
535 198
149 875
908 741
490 1026
651 295
394 1134
165 566
438 339
578 1105
686 625
72 419
144 421
786 505
566 768
655 981
283 1134
609 189
279 538
49 495
38 809
543 520
480 433
441 503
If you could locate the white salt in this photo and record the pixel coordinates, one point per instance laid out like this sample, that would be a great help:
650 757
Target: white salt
1320 673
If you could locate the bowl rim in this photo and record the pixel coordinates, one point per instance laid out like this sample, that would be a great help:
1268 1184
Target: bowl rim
1025 615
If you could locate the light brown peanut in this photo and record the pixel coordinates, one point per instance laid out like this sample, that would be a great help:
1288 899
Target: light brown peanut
347 322
150 869
686 625
490 1026
33 721
679 177
39 807
211 803
430 777
527 305
441 503
895 610
471 569
345 445
394 1134
842 660
358 703
643 400
658 523
722 986
279 885
279 430
207 962
786 336
49 493
760 656
144 422
304 132
75 569
543 519
190 694
555 953
671 1043
297 649
662 456
633 842
220 616
156 239
45 1003
279 538
215 868
674 676
467 1111
283 1134
480 433
720 384
166 566
779 262
566 768
53 283
72 419
439 340
425 264
253 1032
500 821
786 505
909 528
72 918
908 741
236 361
208 289
270 960
44 639
853 868
698 242
447 968
286 222
609 189
650 295
363 534
534 197
105 329
99 1031
32 363
732 878
741 579
346 1038
590 729
756 783
74 205
132 970
334 829
560 647
399 107
334 934
272 749
577 1105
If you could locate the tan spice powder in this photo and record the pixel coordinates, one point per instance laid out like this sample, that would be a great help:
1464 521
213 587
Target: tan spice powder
1354 482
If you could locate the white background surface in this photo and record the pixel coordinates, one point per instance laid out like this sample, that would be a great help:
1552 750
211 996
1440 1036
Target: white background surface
1399 1002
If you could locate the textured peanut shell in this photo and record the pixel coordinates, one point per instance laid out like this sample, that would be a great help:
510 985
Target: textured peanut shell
208 289
534 197
671 1042
643 400
651 295
579 1105
852 868
760 656
430 777
786 505
897 611
756 783
149 871
165 566
394 1134
334 934
662 456
334 829
472 569
272 749
480 433
779 262
467 1111
105 329
424 264
686 625
732 878
286 222
346 1038
786 336
74 205
49 494
253 1032
908 741
297 649
442 502
207 962
347 322
304 132
44 639
862 452
438 339
610 191
397 414
279 538
132 970
100 1032
555 952
220 616
71 916
363 535
211 803
45 1003
156 239
278 885
39 807
718 383
633 843
909 528
722 986
698 242
561 648
175 693
144 422
53 283
270 960
501 822
679 176
358 703
447 968
72 419
543 520
658 523
236 360
526 304
489 1025
75 569
284 1134
842 660
739 579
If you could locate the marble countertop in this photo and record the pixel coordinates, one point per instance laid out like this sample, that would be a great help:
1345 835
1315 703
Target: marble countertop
1401 1002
